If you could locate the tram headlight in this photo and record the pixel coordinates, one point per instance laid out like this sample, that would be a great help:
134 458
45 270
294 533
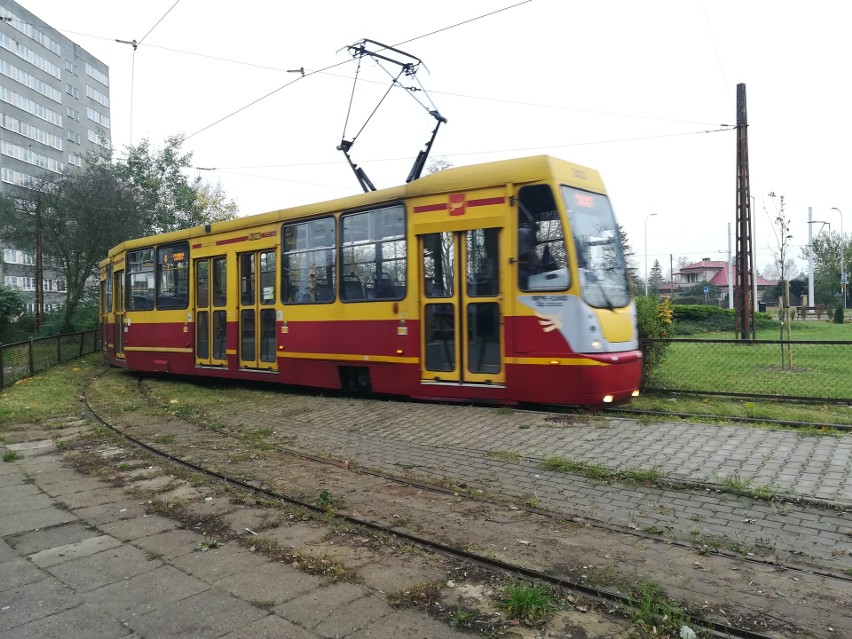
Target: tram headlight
607 399
596 344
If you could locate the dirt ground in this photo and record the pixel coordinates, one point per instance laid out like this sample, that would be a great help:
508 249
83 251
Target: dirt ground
744 591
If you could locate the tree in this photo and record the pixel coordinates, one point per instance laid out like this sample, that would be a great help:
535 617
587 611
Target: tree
827 248
655 278
12 305
168 198
634 280
437 164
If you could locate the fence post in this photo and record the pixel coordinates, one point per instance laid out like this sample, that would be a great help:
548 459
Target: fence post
59 349
2 370
82 339
32 360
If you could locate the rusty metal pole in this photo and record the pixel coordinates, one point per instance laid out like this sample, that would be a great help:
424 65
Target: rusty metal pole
744 315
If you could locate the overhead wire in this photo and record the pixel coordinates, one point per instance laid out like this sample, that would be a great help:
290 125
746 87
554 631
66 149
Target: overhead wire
332 66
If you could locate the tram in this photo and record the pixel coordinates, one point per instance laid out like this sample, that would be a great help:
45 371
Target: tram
501 282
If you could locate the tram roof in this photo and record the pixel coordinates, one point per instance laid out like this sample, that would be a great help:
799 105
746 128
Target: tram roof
454 179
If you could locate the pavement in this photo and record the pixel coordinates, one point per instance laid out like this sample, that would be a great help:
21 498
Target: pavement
81 558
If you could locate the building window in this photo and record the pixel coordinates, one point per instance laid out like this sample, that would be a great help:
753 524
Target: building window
94 73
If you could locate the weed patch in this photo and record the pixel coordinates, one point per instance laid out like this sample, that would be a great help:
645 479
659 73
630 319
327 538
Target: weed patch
528 603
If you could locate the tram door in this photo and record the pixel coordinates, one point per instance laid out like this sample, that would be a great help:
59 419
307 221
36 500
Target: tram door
257 310
461 325
118 302
211 316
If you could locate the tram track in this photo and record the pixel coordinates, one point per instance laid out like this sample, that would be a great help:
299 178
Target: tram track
552 515
718 628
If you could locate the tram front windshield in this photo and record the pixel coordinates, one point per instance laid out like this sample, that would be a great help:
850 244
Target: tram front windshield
603 276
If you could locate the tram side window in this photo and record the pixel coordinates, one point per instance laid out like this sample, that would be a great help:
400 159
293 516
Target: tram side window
373 255
308 263
108 290
140 280
542 253
173 276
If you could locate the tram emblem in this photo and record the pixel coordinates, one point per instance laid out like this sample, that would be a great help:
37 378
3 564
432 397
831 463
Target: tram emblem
457 204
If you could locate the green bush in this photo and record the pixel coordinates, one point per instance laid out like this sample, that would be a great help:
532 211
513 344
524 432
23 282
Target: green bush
700 318
653 320
838 314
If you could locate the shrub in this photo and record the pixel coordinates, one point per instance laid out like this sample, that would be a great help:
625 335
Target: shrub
653 320
838 314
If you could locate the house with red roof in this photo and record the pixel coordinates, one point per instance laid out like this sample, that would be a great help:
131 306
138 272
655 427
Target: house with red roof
713 271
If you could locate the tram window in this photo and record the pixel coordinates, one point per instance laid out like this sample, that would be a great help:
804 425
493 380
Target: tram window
482 268
267 278
108 290
140 280
173 276
308 263
220 281
247 279
202 284
374 253
542 252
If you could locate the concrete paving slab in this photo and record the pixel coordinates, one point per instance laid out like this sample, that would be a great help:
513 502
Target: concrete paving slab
82 621
220 562
7 553
96 497
409 623
33 601
271 627
154 484
106 513
58 488
138 527
143 593
271 583
11 506
19 572
68 552
296 535
169 545
27 543
397 575
354 616
33 447
54 476
208 614
11 479
104 568
312 607
25 521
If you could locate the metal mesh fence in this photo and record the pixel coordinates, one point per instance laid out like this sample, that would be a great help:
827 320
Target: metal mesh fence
802 369
25 359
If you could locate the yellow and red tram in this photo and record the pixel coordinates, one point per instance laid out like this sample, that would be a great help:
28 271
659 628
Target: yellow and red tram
501 282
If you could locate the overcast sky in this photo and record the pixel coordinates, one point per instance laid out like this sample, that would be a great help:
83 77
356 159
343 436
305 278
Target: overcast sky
636 90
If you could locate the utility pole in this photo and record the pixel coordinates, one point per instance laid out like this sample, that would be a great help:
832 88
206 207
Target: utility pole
744 316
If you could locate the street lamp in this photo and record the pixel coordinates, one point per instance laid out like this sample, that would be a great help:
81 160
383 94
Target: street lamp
646 251
842 260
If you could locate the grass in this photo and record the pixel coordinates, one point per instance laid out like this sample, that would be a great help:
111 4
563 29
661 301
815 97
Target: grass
728 366
558 463
733 483
652 612
53 393
10 456
754 409
528 603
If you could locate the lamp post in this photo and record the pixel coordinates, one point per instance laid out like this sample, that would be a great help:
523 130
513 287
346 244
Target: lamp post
646 251
842 260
